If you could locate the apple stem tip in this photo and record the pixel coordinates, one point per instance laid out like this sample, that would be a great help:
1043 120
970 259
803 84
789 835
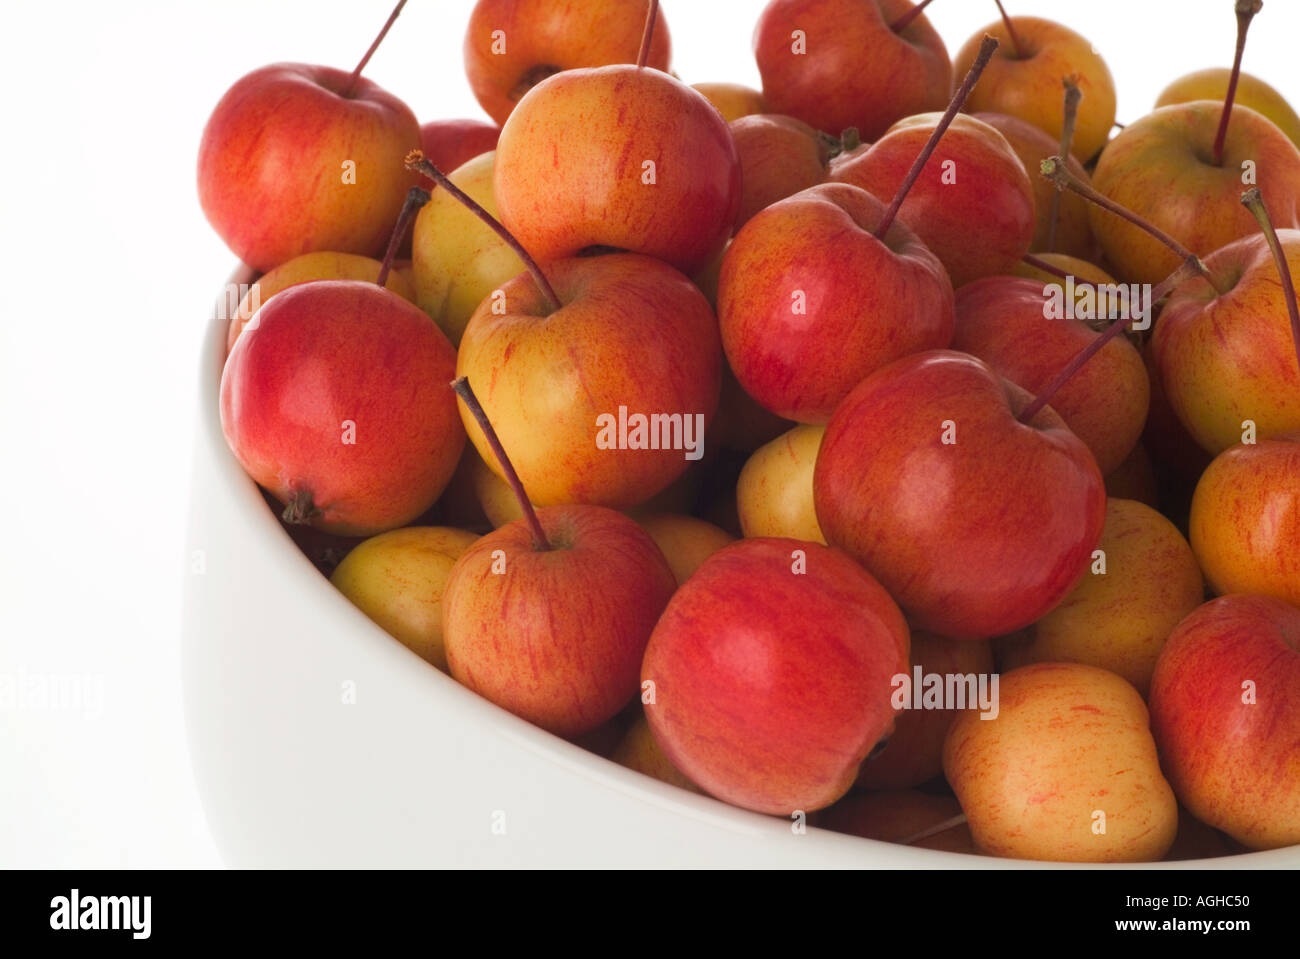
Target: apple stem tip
1253 200
356 74
1245 10
462 388
1069 115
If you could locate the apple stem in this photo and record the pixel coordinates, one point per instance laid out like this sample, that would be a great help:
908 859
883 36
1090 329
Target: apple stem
416 197
1071 111
905 21
356 74
417 161
1030 260
1054 169
466 393
959 98
647 35
1246 10
1184 272
1011 31
1253 200
300 510
934 830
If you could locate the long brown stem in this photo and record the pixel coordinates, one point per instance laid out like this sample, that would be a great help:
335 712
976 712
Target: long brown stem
959 98
417 161
647 35
1071 111
1246 10
1054 169
1253 200
905 21
1011 31
415 198
466 393
356 74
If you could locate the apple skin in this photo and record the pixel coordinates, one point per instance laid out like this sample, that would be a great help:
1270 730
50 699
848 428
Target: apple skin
865 302
685 541
1212 84
570 171
772 686
1033 146
542 37
312 266
319 355
275 146
558 637
1029 86
397 579
732 100
1226 358
457 258
1245 519
1082 270
1120 620
914 753
774 494
1158 167
1135 479
639 751
1069 740
779 156
1235 765
632 331
980 225
896 815
974 539
450 144
1001 320
834 85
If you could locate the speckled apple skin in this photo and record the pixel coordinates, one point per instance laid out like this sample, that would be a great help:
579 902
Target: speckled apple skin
1158 167
1069 741
557 638
837 83
771 686
271 164
1224 359
543 33
571 168
779 156
1000 319
632 332
1245 520
979 224
320 354
974 539
1234 765
865 302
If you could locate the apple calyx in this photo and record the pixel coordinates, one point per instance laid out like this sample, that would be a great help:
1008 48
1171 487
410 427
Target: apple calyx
1054 169
1246 10
300 510
987 47
416 197
417 161
1253 201
356 74
848 141
647 35
1011 32
905 21
466 393
1070 113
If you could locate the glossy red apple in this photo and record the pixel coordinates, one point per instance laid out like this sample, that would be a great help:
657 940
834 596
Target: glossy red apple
779 156
771 671
451 143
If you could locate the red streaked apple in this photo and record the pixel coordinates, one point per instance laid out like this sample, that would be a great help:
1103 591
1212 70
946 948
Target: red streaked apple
452 143
771 672
1212 84
779 156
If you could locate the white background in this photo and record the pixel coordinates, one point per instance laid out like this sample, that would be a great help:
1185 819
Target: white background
109 272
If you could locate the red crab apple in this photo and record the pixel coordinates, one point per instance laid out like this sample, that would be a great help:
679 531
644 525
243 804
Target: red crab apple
298 158
335 399
779 156
450 144
548 616
976 523
771 672
732 100
837 64
1225 710
513 45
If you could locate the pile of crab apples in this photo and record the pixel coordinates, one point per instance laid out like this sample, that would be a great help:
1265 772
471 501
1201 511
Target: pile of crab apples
903 445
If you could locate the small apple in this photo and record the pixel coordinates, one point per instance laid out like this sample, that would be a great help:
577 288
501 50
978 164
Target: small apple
732 100
450 144
774 495
639 751
779 156
685 541
1212 84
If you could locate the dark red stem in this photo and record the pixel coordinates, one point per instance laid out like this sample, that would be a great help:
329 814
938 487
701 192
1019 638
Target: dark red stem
905 21
647 35
1246 10
415 198
1011 31
356 74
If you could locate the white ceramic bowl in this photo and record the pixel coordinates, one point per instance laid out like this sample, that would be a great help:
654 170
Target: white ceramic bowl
418 771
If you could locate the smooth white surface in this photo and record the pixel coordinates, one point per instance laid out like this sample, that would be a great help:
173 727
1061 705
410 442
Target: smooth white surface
109 268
